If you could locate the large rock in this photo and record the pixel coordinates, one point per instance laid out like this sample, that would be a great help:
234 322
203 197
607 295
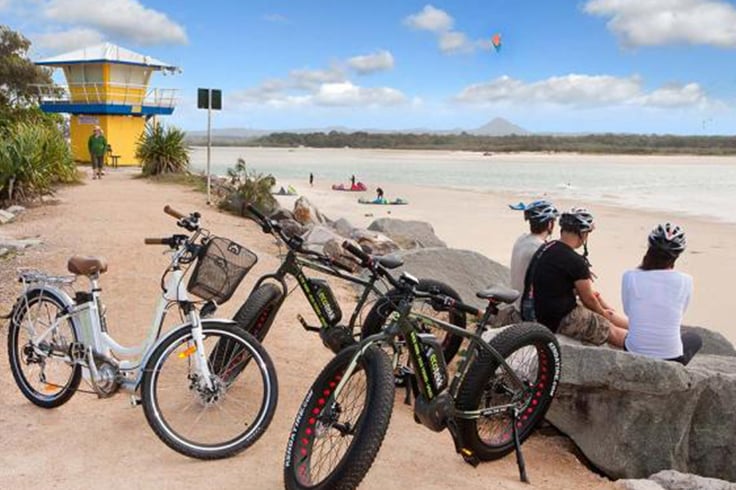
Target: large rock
408 234
674 480
713 342
306 214
373 242
466 271
633 416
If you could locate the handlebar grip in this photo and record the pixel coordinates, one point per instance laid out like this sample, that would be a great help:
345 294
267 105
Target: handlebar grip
365 259
173 212
156 241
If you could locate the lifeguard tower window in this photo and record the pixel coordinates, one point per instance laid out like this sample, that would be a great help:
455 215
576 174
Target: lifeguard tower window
203 99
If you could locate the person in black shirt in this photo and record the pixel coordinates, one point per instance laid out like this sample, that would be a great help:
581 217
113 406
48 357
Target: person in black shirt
561 275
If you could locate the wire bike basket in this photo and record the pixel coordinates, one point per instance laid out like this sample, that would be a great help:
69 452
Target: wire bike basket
221 266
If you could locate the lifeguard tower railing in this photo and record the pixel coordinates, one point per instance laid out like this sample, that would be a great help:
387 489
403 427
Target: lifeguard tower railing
107 98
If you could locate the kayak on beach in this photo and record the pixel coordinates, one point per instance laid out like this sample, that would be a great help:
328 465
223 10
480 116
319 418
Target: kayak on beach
383 201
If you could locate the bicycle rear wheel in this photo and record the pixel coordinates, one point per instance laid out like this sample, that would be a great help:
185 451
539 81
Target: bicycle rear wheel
532 351
215 422
386 305
41 367
334 440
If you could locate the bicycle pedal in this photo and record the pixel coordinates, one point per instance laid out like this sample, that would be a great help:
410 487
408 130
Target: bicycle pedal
305 325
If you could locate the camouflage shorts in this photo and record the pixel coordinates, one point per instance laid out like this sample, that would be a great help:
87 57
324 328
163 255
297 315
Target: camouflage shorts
585 325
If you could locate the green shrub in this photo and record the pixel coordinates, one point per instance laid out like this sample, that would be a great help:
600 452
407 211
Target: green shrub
247 187
33 158
162 150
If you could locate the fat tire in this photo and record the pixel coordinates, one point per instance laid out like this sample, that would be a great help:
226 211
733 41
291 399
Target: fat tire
373 421
36 398
257 313
483 371
255 316
384 306
266 412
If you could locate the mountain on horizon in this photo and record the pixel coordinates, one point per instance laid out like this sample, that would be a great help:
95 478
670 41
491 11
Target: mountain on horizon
496 127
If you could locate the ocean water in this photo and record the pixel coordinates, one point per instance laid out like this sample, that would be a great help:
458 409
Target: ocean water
699 186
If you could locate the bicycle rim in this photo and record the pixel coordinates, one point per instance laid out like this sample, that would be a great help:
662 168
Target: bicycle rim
214 422
41 369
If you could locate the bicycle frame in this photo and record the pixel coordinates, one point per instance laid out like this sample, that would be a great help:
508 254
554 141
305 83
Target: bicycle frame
293 265
90 326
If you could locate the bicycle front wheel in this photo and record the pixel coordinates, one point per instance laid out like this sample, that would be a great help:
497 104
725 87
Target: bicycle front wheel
335 439
38 350
532 351
216 421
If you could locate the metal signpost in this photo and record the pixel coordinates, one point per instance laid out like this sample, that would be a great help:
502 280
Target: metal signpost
209 99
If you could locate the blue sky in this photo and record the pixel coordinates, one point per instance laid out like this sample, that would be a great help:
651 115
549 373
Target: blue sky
646 66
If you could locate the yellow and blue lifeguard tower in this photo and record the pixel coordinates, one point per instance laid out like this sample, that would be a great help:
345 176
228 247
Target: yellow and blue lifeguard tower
107 86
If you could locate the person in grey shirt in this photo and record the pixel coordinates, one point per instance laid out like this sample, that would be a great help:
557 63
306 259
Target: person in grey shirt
541 216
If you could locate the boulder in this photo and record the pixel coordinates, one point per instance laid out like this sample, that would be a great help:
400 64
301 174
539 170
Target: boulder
466 271
292 227
408 234
319 235
373 242
306 214
344 227
282 214
713 342
16 209
13 244
633 416
6 217
674 480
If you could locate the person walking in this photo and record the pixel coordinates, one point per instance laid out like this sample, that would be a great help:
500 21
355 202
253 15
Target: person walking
655 297
311 179
97 146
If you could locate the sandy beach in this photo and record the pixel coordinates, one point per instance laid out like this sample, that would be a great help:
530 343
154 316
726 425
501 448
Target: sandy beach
89 443
483 222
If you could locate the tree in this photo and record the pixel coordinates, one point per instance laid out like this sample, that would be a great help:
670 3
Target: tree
162 151
18 74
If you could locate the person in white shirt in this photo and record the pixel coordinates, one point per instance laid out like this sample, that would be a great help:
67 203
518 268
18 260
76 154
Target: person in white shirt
655 297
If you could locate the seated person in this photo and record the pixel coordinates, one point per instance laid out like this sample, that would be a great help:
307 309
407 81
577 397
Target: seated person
558 276
655 297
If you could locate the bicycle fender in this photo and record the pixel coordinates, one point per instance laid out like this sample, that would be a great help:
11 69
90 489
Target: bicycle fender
174 331
59 295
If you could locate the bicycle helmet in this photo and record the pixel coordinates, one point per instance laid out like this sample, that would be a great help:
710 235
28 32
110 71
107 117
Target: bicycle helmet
577 220
669 238
540 212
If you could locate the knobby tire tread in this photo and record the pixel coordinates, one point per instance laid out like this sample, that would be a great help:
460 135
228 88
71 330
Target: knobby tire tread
361 454
473 386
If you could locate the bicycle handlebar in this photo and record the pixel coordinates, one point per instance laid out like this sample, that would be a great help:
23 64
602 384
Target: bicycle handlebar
157 241
173 212
365 259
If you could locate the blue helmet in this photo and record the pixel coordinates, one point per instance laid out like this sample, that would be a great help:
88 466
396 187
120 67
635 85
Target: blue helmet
540 212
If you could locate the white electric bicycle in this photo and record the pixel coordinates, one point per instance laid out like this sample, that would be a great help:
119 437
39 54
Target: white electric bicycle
208 388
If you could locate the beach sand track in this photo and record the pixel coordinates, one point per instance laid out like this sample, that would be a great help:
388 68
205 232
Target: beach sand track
91 443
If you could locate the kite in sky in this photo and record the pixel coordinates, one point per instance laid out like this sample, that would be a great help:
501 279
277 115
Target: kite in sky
496 41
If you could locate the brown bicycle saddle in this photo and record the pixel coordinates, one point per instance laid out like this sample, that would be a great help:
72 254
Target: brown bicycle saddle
86 266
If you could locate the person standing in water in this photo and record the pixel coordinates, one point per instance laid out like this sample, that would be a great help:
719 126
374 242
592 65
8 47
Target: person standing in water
311 178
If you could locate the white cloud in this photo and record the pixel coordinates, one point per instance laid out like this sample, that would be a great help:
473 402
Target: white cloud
347 94
4 4
126 19
62 41
453 42
430 19
440 23
662 22
311 79
380 61
581 91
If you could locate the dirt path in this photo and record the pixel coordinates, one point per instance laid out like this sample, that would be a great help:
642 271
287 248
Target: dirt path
91 443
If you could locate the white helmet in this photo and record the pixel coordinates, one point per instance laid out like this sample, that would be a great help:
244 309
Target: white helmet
578 220
669 238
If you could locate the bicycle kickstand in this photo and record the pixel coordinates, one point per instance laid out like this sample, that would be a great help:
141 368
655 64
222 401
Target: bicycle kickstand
517 446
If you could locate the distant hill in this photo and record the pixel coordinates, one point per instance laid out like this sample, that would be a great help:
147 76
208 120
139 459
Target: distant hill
496 127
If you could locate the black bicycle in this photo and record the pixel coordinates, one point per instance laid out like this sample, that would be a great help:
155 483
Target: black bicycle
499 393
258 312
